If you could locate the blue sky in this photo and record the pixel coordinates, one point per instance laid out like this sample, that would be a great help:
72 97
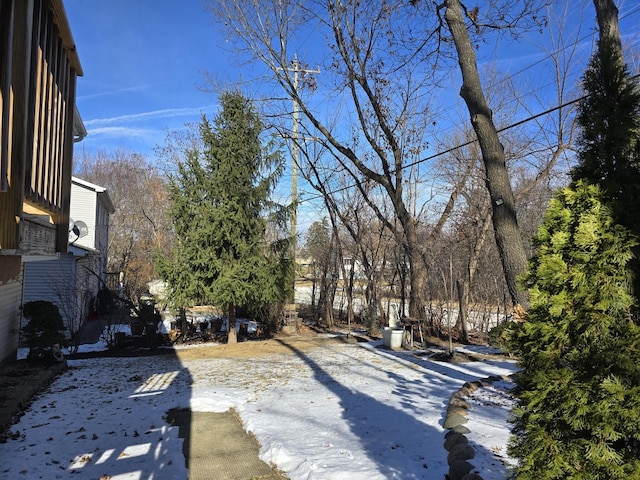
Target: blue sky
143 64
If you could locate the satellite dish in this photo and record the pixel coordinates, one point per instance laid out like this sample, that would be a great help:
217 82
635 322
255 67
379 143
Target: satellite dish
77 230
82 228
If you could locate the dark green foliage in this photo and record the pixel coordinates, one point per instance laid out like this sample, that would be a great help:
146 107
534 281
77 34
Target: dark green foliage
578 415
609 118
45 325
228 252
503 337
609 147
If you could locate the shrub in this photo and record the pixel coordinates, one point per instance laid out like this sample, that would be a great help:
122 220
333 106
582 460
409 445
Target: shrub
503 335
578 413
44 329
371 319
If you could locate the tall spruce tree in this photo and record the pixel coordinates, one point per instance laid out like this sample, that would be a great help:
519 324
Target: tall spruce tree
578 414
220 205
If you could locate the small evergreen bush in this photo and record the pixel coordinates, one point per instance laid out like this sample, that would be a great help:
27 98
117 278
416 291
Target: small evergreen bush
503 335
44 329
371 320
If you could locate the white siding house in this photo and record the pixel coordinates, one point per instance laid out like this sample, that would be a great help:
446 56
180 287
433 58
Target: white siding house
10 297
72 280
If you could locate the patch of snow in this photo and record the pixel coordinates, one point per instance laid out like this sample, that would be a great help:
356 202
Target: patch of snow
340 411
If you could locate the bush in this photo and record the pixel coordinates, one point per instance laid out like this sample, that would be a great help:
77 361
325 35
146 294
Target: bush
578 413
371 319
44 329
503 337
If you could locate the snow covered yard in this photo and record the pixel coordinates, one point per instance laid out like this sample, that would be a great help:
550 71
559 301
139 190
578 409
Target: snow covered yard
338 411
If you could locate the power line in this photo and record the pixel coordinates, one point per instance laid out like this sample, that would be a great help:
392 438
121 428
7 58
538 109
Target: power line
510 126
470 142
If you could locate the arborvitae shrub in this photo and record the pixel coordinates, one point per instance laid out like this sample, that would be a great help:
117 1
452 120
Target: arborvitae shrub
502 336
578 413
45 325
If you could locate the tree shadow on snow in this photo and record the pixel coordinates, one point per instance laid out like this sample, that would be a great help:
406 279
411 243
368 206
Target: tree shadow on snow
384 431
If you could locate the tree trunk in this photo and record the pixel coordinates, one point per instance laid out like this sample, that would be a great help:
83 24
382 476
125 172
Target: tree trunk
607 15
505 225
350 316
184 328
462 313
232 337
417 281
314 284
417 265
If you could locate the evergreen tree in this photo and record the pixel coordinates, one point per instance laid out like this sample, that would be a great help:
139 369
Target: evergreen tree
579 386
578 413
220 206
609 147
317 248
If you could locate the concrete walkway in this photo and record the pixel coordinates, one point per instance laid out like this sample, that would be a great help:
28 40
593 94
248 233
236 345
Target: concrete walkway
216 446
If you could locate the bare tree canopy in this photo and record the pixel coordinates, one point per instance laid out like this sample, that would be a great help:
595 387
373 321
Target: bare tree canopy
383 65
140 224
505 223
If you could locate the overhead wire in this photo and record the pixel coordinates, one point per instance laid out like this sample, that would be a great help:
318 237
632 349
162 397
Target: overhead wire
500 130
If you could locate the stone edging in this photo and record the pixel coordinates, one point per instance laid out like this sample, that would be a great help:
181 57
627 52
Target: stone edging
456 442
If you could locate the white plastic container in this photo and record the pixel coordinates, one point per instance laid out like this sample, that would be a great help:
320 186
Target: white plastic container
392 337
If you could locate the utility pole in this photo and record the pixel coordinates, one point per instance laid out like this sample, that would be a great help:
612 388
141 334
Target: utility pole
296 69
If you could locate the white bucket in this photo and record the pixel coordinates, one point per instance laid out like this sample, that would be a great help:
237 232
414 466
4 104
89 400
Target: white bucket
392 337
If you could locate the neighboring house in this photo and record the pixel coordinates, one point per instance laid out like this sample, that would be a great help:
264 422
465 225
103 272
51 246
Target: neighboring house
38 124
73 279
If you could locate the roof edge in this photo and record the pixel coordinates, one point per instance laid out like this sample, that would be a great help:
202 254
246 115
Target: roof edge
60 16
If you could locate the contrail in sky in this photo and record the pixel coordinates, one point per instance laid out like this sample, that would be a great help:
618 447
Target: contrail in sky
166 113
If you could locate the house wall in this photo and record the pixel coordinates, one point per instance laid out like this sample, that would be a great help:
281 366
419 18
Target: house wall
88 205
53 281
10 301
84 208
38 69
73 280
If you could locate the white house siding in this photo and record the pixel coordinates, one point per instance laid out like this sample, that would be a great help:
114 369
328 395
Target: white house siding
91 204
53 281
84 208
10 301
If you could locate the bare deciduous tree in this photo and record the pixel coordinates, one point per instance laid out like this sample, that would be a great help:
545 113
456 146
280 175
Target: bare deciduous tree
505 223
377 78
380 69
139 225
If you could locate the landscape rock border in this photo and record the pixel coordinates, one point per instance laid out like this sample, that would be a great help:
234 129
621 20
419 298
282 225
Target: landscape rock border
455 440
